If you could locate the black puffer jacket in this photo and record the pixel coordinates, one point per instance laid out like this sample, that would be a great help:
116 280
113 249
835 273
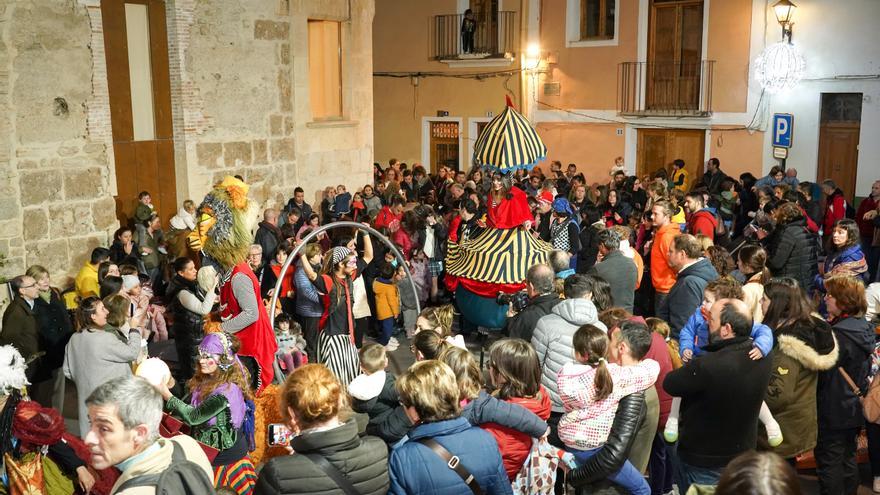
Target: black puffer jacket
592 477
836 404
55 328
188 326
363 460
793 253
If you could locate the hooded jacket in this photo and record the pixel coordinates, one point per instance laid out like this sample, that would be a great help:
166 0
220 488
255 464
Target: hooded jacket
686 295
363 460
801 352
794 253
376 396
837 405
662 276
621 274
703 222
552 341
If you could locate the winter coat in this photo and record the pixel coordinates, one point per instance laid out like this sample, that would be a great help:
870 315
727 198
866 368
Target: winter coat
21 330
308 301
695 335
589 241
118 254
621 274
487 409
515 445
523 324
268 236
866 227
159 461
378 398
363 460
552 340
55 328
801 352
686 295
838 407
372 204
721 394
702 222
416 469
387 299
793 253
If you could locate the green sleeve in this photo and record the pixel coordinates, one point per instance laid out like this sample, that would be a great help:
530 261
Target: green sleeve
784 377
194 416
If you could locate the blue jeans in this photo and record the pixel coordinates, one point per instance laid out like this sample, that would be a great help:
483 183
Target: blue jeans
386 328
628 477
694 475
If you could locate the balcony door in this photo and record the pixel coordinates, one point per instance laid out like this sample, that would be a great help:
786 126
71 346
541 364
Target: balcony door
486 37
675 42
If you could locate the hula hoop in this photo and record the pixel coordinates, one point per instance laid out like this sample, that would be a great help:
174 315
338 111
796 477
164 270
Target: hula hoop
331 226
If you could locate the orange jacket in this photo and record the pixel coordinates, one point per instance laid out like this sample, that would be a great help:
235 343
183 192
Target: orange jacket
387 299
662 276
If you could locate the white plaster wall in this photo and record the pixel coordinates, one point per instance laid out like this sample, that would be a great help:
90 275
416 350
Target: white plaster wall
837 38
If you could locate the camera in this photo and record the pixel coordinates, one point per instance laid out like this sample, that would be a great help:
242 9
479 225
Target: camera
517 300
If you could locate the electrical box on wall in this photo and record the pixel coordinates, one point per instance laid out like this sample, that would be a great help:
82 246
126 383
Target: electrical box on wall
552 88
442 113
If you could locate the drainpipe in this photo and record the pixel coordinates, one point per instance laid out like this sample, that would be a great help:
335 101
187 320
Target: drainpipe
523 43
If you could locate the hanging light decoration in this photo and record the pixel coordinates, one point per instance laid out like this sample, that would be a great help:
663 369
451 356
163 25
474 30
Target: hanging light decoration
779 67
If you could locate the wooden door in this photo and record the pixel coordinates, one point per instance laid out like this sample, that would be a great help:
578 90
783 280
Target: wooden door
140 104
675 41
444 145
486 14
839 128
657 148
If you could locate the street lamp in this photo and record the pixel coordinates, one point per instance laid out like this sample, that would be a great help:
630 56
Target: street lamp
532 59
784 10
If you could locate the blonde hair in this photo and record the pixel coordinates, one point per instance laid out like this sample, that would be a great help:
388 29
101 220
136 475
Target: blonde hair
467 372
430 388
658 325
440 317
372 358
313 393
705 242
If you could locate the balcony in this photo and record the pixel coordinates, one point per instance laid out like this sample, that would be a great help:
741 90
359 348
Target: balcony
494 40
665 89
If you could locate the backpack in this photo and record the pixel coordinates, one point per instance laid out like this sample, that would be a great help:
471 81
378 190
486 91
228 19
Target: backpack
720 227
181 476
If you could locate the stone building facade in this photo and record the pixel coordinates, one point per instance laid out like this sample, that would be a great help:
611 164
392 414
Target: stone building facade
239 74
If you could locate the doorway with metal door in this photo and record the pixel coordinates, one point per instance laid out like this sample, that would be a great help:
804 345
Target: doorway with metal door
839 125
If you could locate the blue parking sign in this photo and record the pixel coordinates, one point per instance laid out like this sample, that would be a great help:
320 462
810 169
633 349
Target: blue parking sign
783 124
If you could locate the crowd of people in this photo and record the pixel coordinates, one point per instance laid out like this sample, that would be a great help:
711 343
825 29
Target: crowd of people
683 331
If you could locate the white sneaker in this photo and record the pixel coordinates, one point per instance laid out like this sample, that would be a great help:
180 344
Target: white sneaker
392 346
670 433
774 434
392 339
876 485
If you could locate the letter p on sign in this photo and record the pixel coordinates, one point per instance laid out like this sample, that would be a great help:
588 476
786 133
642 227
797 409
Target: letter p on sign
782 127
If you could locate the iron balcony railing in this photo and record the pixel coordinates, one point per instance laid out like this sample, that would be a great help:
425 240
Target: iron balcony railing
494 36
679 89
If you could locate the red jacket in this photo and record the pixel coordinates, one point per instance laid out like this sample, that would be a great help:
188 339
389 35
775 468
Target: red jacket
514 445
660 353
834 211
866 227
385 217
702 222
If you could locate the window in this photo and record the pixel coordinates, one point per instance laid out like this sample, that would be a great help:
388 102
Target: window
597 19
590 23
325 69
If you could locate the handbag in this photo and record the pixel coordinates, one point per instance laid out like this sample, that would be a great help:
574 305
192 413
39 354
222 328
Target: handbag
454 463
870 400
538 473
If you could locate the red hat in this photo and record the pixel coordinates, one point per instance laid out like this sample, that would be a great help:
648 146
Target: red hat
546 197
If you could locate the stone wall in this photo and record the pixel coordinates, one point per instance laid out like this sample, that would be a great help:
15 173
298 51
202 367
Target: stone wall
239 84
55 202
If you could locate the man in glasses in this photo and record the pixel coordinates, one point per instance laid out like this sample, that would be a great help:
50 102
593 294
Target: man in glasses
19 322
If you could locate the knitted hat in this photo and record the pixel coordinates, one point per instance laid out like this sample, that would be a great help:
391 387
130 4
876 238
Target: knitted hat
338 254
130 281
546 197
